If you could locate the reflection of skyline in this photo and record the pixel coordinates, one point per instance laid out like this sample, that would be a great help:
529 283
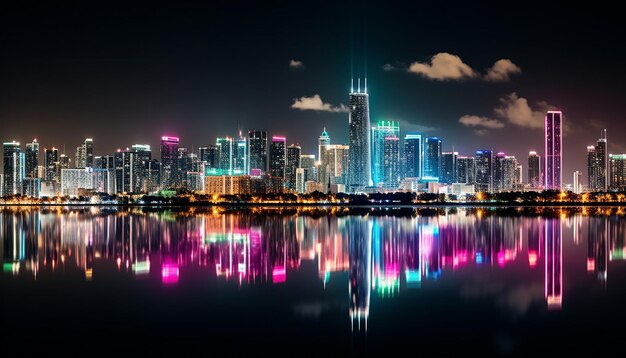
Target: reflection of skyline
382 254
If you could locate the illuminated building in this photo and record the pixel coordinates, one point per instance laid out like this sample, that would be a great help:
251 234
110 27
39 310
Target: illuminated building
359 170
617 172
14 168
380 166
293 163
104 162
465 169
504 172
578 175
72 180
277 159
51 161
449 167
227 185
597 164
534 170
307 162
32 159
432 157
412 155
484 170
210 155
333 165
322 141
257 150
169 162
553 150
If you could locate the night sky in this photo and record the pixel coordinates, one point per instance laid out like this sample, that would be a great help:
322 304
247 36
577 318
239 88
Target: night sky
127 74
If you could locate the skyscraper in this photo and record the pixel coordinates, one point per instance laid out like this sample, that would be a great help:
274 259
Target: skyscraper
307 162
51 162
505 178
578 175
293 163
278 155
617 166
391 161
553 150
412 155
449 167
484 170
14 168
359 171
322 141
32 159
534 170
432 157
380 132
240 155
169 162
141 155
225 146
466 171
257 150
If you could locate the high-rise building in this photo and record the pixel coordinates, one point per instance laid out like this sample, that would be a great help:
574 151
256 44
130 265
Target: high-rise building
466 171
240 156
484 170
225 146
534 170
412 155
504 173
51 163
307 162
257 150
84 154
382 130
103 162
449 167
141 155
169 162
14 168
293 163
617 172
359 171
553 150
278 154
210 155
578 175
432 157
391 161
333 166
322 141
32 159
88 152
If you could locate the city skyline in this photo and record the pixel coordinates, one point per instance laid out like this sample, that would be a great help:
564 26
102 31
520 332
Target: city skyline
101 87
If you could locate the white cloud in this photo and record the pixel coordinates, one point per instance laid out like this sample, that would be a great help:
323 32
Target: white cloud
477 121
443 66
501 70
315 103
296 65
517 111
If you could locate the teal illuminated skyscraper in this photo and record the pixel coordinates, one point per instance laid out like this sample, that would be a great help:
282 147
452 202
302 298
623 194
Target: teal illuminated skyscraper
382 135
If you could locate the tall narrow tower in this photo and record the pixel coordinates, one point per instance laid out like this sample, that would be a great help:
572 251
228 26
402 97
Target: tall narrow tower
359 165
553 149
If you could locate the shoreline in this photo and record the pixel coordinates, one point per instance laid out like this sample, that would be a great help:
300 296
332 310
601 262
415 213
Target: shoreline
371 205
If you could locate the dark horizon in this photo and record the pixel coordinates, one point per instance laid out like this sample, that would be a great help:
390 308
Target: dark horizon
131 76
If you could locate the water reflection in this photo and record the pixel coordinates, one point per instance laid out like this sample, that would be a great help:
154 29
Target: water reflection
383 251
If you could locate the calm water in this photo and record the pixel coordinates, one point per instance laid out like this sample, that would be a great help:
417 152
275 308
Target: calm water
309 280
